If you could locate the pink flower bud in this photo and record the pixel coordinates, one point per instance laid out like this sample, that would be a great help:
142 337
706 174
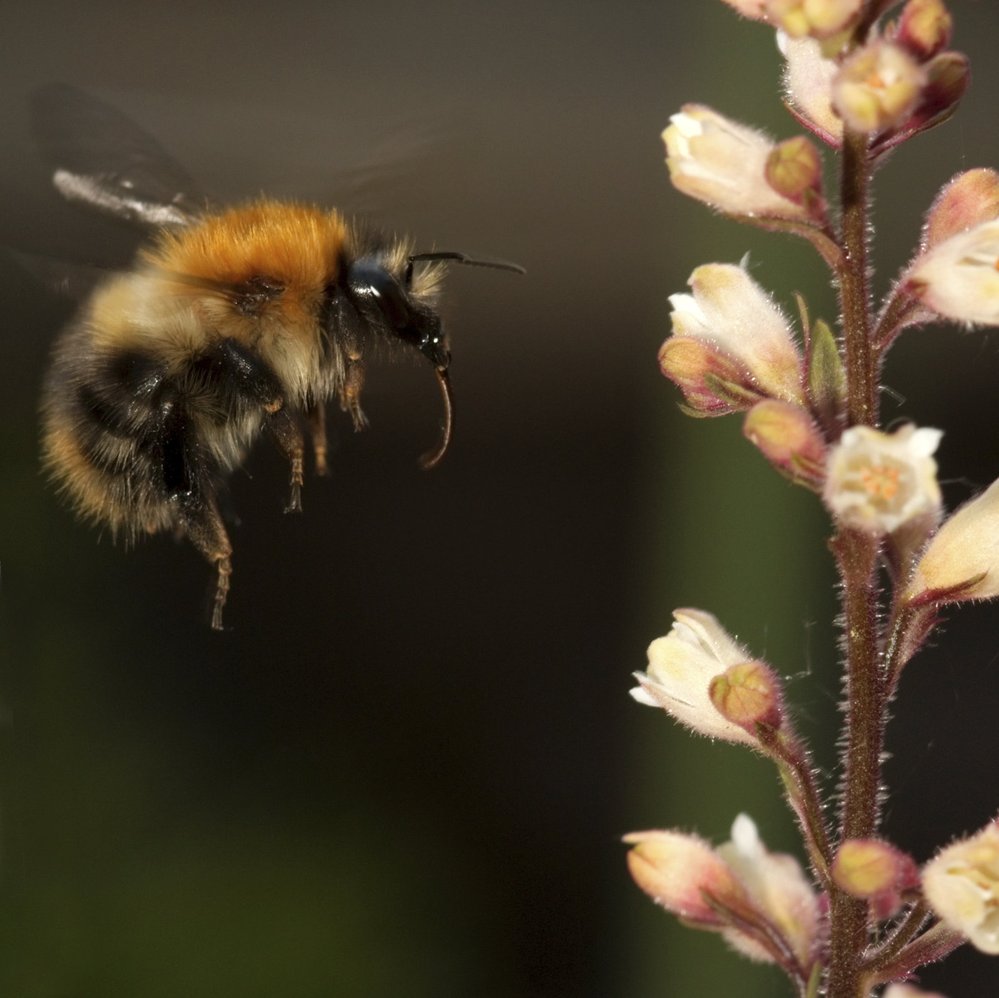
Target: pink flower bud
877 871
961 883
789 440
877 87
748 694
684 875
965 201
924 27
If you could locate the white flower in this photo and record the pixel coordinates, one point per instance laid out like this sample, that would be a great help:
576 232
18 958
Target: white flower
961 884
730 313
723 164
877 87
808 77
777 885
727 889
959 277
878 481
681 667
961 562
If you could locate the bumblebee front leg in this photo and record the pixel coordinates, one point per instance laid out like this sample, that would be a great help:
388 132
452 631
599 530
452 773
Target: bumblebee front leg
353 382
316 414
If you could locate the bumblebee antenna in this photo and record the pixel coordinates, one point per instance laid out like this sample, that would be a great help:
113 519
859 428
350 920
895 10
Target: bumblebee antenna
433 458
463 258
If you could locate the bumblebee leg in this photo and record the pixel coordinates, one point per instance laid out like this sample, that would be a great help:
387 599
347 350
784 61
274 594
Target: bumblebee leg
317 425
353 382
204 528
255 380
288 434
188 483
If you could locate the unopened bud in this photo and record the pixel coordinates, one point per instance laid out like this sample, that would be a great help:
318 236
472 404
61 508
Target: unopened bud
876 871
947 77
789 440
813 18
712 382
684 875
748 694
967 200
924 27
794 170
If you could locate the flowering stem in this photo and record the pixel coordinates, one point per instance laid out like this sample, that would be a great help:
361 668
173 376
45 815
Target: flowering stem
857 554
861 363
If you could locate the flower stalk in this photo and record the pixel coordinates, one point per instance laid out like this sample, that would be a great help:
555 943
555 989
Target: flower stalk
863 84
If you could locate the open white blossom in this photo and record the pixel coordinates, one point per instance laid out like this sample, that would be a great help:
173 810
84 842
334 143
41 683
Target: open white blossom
961 884
732 313
877 87
777 885
723 163
959 277
878 481
681 667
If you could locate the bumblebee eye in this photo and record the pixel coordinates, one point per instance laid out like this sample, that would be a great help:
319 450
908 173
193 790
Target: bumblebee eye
369 283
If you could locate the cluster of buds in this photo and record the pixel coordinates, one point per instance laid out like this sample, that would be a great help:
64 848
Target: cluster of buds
860 82
902 80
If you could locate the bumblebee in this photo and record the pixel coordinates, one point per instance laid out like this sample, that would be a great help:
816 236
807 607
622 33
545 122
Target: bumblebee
229 324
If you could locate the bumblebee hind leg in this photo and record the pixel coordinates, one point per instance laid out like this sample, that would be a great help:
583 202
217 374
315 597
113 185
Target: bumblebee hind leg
188 483
205 530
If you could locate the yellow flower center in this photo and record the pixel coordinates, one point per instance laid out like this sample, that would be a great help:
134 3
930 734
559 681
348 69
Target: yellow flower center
880 481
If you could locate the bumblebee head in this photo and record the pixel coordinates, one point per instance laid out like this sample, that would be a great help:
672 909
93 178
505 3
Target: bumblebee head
378 294
385 301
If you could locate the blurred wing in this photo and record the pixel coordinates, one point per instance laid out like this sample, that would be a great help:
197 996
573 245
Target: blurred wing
103 159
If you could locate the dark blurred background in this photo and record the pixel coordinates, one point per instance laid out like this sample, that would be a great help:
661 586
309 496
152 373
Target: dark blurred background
404 768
